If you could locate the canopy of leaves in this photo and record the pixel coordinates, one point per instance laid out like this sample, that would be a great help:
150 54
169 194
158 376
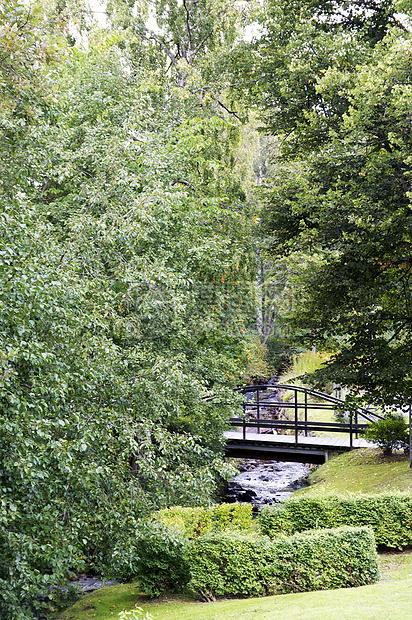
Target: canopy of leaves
343 188
124 268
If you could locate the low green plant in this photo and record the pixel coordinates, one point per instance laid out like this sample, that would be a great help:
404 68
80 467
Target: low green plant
161 560
390 516
195 522
237 516
236 564
390 433
190 521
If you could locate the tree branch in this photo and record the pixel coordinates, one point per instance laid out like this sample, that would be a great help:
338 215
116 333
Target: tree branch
188 30
183 182
202 42
163 45
227 109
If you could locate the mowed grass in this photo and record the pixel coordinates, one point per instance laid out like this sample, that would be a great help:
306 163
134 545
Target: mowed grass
361 471
390 598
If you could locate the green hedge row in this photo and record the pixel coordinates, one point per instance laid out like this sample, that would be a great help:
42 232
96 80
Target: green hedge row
390 516
194 522
161 543
235 564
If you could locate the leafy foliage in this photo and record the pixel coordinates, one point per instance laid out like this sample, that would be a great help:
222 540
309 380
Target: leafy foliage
195 522
246 565
161 558
230 562
390 516
162 543
342 185
123 271
390 433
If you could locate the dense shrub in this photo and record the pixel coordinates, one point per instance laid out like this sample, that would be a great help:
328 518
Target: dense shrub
390 433
389 516
228 563
236 564
161 560
195 522
161 544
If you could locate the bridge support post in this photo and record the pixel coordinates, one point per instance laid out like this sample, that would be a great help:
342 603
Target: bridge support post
329 454
306 414
296 417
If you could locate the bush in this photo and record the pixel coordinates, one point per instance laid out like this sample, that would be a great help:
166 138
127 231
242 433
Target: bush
161 560
161 544
228 564
235 564
195 522
390 433
389 516
190 522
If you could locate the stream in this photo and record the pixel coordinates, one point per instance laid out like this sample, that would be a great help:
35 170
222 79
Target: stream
266 482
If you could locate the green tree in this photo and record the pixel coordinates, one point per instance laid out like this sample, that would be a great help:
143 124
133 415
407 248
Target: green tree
343 189
389 433
191 41
123 257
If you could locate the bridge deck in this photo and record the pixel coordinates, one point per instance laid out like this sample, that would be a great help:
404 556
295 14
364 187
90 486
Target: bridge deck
284 447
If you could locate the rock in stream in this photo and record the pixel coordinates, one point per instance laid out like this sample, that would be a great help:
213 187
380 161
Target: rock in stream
266 482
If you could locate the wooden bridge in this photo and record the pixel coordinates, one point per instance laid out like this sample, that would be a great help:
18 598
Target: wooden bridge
266 431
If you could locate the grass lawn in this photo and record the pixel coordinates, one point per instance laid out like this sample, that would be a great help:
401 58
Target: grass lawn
390 598
365 471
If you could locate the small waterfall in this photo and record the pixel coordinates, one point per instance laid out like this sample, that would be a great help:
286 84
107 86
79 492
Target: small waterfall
266 482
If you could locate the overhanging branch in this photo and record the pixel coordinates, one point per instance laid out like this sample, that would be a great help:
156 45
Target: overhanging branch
162 44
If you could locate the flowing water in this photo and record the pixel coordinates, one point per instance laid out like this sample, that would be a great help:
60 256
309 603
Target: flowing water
266 482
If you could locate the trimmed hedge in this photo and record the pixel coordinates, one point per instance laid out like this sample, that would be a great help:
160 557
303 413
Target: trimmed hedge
195 522
161 560
390 516
161 543
235 564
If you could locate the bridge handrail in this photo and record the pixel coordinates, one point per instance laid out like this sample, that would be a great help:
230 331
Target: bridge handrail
343 427
371 416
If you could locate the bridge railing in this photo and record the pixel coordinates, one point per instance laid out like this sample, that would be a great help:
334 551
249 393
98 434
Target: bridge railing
260 398
300 427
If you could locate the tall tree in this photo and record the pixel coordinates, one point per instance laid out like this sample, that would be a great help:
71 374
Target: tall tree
345 190
194 37
123 235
